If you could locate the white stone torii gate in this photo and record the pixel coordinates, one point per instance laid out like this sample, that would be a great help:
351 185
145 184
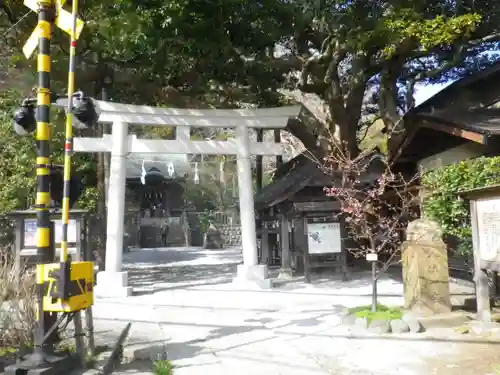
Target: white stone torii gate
113 282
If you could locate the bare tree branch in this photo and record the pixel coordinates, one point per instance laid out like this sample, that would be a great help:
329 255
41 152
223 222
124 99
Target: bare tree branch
485 39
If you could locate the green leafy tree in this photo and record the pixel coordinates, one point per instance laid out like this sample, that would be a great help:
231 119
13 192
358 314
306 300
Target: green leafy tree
18 159
382 48
214 192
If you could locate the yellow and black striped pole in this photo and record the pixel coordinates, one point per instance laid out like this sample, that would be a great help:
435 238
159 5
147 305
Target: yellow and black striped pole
43 129
43 135
68 147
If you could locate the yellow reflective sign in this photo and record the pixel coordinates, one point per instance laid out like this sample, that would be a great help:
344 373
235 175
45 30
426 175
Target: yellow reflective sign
33 4
31 43
64 21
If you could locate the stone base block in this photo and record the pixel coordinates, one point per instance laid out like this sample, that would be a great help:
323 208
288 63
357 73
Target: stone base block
253 277
112 284
285 274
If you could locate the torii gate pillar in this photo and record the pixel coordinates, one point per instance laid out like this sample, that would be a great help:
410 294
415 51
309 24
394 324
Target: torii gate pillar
250 271
113 282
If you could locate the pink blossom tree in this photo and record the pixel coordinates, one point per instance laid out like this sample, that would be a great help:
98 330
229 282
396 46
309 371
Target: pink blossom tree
376 203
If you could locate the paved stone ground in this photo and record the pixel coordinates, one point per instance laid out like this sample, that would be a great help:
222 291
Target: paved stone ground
185 298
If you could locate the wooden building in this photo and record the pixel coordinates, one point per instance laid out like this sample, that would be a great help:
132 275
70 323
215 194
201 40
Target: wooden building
460 122
294 212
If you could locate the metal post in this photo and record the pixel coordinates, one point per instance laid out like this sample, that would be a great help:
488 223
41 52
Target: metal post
68 146
43 133
77 318
89 321
374 286
65 258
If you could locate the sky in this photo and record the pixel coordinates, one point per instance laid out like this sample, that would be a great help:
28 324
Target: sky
424 92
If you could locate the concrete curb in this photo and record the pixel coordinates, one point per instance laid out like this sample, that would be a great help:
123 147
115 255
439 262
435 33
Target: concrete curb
456 338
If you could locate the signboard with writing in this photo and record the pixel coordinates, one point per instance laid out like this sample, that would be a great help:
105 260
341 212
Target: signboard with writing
324 238
30 232
488 225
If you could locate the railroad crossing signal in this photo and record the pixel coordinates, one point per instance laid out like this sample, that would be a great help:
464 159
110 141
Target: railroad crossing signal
63 20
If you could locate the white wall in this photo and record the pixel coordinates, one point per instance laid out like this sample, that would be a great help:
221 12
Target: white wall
452 156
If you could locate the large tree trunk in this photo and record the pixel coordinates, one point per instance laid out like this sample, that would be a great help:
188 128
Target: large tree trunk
388 105
310 131
316 136
353 107
348 137
389 96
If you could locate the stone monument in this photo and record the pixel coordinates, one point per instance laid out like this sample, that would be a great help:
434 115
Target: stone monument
425 269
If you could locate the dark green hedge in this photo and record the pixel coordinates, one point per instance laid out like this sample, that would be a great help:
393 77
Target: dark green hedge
442 203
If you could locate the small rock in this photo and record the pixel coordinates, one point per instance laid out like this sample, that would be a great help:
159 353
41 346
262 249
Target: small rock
413 323
399 326
379 326
349 320
361 323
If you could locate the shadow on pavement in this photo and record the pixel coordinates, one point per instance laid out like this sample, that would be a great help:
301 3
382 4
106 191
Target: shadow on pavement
179 277
154 270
